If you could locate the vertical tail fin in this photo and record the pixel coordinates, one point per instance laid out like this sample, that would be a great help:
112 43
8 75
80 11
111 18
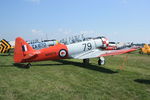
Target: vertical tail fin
21 47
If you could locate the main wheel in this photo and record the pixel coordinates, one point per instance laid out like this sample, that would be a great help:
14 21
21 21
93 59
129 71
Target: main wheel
86 61
101 61
140 52
28 65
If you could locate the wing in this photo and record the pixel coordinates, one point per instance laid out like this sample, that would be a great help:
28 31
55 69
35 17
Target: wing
118 52
98 53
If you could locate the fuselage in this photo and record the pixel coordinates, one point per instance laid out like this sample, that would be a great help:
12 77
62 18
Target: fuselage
78 48
61 51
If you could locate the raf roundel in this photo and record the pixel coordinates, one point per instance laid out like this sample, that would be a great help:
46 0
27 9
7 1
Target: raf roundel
62 53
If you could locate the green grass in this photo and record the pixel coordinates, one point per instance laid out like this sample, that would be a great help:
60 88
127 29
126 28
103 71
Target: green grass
71 80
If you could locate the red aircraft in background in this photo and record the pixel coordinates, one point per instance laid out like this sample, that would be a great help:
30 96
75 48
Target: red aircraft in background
94 48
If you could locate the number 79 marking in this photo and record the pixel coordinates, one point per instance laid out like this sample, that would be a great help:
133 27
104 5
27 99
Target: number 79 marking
87 46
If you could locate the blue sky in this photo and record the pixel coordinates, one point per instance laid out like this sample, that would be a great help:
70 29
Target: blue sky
119 20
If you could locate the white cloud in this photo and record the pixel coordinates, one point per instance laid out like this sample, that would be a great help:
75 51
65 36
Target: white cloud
124 1
65 31
115 33
87 32
35 31
35 1
91 33
38 34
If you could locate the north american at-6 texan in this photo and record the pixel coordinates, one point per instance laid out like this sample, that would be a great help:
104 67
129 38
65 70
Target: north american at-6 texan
93 48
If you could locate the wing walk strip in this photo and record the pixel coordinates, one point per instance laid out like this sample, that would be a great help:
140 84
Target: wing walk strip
84 54
4 46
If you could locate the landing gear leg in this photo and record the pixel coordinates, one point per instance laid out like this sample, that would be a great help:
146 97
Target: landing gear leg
28 65
86 61
140 52
101 61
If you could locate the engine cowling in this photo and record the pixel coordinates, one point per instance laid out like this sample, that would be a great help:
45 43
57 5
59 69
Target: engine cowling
104 42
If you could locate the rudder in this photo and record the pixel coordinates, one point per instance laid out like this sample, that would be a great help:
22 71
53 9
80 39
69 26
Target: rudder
21 48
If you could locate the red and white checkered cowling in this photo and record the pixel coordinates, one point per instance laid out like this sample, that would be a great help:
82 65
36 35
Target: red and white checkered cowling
105 42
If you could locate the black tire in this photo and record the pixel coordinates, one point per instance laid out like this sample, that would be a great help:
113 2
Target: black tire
28 65
86 61
140 52
100 62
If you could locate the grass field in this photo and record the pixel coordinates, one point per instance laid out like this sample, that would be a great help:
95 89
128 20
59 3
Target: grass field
71 80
